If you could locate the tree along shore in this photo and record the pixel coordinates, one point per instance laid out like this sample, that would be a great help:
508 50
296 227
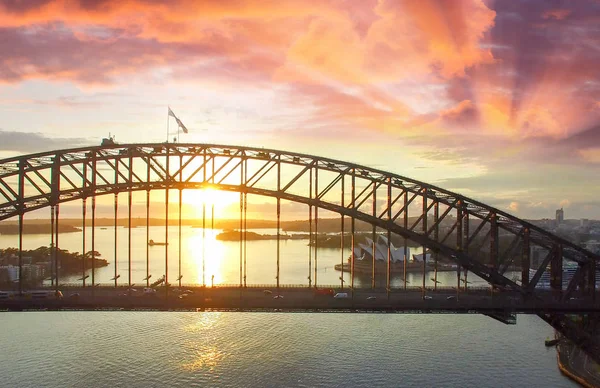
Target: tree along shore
70 263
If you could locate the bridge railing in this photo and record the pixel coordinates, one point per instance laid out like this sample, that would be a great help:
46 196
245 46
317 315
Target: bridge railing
289 287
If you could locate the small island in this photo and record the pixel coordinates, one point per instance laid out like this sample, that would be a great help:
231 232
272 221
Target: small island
234 235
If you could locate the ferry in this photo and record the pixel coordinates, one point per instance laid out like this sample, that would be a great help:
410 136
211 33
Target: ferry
153 243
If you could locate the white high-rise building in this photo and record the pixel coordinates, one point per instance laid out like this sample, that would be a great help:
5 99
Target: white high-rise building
560 216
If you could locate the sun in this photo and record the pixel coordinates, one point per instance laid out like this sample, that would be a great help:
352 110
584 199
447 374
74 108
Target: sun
209 197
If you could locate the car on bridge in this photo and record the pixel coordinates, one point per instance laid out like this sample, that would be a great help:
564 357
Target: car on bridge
324 292
341 295
43 294
149 291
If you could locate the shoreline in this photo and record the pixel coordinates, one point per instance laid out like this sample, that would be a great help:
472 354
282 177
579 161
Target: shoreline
568 371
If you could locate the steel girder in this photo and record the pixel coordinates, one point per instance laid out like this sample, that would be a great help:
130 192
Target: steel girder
388 201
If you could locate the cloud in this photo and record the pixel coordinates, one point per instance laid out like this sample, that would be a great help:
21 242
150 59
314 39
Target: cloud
513 207
55 52
540 210
548 80
461 115
540 184
449 156
476 83
564 203
407 40
29 142
327 38
558 14
591 155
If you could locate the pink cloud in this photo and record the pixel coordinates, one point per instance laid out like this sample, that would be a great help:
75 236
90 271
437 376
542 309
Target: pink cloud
407 40
463 114
336 40
558 14
431 34
346 62
54 52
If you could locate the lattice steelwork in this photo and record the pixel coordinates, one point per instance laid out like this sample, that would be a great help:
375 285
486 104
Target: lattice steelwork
478 238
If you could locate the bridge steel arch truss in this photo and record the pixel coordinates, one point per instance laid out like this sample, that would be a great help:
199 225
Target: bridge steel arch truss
478 238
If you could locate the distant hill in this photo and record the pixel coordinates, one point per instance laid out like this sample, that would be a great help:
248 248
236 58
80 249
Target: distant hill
31 228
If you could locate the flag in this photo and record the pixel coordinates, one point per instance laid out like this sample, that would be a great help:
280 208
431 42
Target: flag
179 123
185 130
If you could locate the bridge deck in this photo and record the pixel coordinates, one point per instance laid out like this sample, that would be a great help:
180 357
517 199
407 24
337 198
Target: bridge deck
301 299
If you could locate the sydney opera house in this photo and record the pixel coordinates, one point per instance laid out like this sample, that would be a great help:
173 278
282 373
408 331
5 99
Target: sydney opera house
364 253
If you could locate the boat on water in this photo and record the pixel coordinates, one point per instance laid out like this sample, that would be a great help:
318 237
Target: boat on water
153 243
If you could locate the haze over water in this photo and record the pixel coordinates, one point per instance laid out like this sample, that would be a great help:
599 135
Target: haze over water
222 258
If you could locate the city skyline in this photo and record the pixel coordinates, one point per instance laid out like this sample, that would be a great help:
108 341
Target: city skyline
498 101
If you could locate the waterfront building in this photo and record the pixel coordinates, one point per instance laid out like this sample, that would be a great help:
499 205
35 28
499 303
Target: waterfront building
364 251
9 273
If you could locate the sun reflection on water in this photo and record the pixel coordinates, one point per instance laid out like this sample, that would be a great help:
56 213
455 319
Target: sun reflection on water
214 256
204 321
206 357
204 354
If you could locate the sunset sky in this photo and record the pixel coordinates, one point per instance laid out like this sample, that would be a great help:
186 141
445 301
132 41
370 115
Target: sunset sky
497 100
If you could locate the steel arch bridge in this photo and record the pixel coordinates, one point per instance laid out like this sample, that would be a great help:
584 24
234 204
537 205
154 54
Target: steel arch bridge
478 238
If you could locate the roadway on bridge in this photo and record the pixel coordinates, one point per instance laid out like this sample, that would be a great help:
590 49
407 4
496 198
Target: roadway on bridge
297 299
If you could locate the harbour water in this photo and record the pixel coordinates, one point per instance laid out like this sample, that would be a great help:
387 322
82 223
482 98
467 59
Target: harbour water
151 349
146 349
221 258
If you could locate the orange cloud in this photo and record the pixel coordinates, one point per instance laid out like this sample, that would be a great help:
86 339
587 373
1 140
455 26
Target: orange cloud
376 42
591 155
416 68
463 114
408 39
446 35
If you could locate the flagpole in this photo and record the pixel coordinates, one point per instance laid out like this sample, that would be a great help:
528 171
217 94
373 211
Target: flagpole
168 108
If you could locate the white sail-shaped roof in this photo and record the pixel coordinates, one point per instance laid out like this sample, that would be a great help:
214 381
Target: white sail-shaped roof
381 250
419 257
